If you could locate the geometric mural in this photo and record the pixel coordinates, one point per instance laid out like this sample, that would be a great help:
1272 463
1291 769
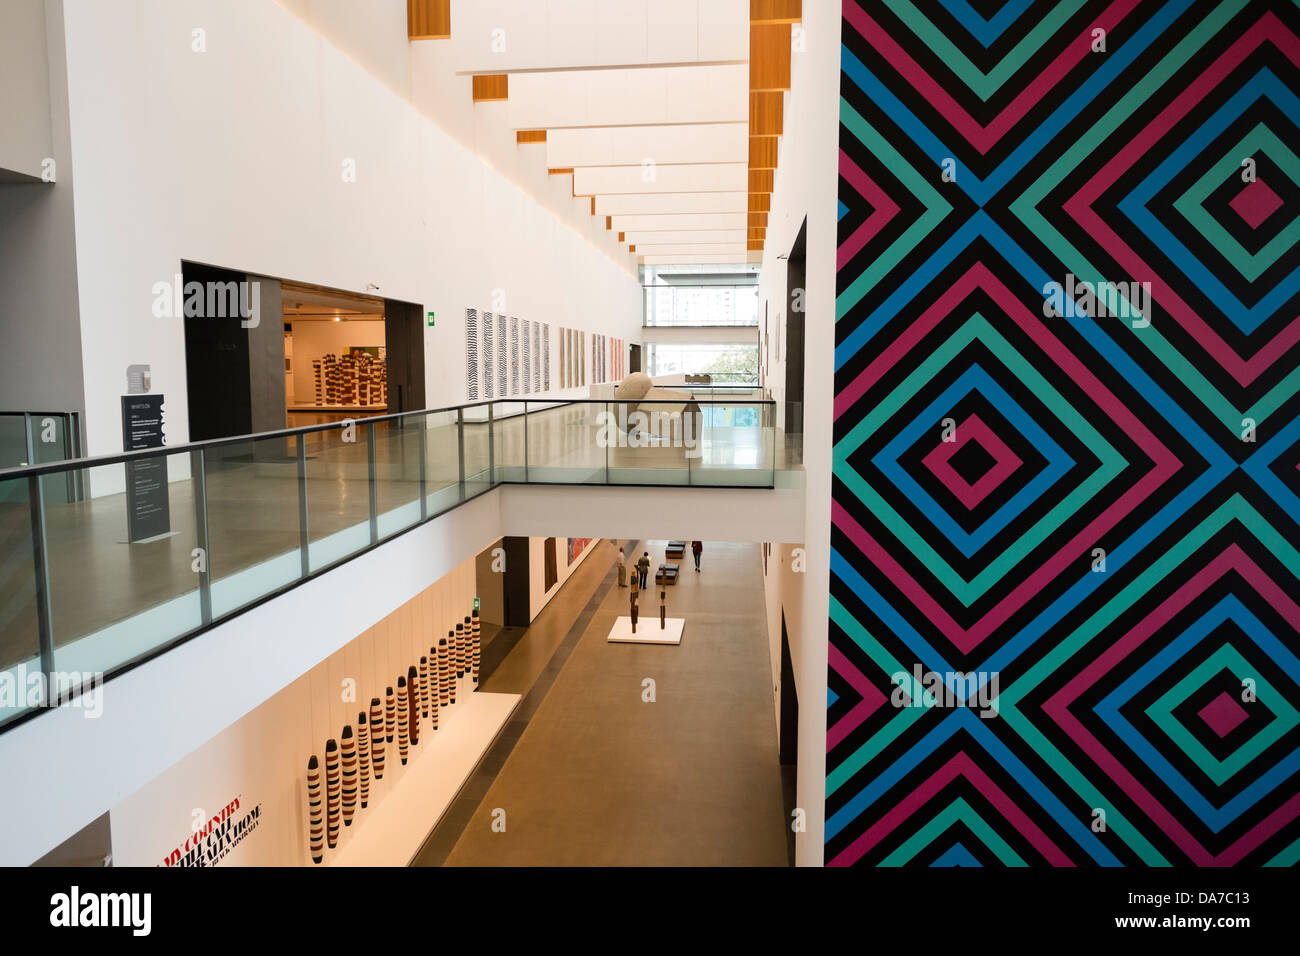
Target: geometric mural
1065 588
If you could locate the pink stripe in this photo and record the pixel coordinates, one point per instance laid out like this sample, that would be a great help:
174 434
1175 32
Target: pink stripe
1165 464
960 765
1079 206
1057 707
883 210
982 138
871 696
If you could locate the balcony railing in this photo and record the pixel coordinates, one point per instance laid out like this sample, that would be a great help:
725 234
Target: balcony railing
170 541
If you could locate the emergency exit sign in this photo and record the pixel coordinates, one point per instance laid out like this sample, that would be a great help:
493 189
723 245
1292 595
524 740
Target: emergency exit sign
431 318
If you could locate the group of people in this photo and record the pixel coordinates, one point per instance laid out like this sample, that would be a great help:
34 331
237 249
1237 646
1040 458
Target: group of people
641 570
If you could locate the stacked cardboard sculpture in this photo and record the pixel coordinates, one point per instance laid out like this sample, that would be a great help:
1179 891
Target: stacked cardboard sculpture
422 691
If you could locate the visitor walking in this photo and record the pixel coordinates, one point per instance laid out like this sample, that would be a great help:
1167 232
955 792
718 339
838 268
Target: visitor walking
696 548
643 568
622 569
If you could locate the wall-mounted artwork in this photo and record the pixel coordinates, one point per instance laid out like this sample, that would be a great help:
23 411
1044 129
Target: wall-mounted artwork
471 354
502 381
514 355
546 356
564 354
537 356
528 356
575 547
488 356
549 564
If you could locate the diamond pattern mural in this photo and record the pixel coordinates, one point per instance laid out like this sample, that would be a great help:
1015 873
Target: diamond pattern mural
1066 501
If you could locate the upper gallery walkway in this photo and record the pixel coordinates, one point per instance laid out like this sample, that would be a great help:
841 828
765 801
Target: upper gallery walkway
110 561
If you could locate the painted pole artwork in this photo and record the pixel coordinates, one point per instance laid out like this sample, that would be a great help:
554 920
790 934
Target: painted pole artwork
457 669
316 833
424 686
433 685
363 752
390 714
633 612
476 637
377 737
465 651
663 610
412 691
349 775
444 666
402 739
332 789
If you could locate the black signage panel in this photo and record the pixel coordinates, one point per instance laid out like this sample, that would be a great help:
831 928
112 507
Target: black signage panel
148 513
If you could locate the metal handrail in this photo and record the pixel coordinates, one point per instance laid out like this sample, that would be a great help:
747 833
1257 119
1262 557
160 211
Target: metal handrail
98 461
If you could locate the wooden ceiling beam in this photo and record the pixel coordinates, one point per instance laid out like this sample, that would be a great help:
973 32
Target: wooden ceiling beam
775 11
769 57
491 87
428 19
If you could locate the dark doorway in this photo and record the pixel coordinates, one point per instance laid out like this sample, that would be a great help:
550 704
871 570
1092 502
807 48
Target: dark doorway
217 376
788 730
516 608
634 360
404 341
795 274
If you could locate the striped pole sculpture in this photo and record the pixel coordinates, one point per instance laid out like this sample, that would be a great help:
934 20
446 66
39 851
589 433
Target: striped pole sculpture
424 686
413 693
363 752
463 663
349 775
402 739
390 714
663 610
316 833
377 737
433 684
455 671
444 686
332 789
475 639
633 612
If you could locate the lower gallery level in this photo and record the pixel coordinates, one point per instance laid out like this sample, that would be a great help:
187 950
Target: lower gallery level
495 720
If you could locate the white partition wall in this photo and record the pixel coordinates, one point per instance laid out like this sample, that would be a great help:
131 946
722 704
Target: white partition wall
234 135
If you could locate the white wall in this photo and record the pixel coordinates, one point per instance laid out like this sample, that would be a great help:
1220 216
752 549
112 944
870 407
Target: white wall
39 309
234 156
25 133
806 182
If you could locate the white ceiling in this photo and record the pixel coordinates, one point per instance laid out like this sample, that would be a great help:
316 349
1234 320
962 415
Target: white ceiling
647 101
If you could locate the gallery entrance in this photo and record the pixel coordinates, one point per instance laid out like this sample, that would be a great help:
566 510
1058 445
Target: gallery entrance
264 354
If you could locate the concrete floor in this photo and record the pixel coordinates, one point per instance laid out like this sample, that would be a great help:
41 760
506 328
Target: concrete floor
597 776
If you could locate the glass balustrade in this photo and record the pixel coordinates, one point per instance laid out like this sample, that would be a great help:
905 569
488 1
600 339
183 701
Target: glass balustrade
109 561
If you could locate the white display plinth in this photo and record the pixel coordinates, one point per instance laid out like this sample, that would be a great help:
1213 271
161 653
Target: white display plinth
647 631
413 798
